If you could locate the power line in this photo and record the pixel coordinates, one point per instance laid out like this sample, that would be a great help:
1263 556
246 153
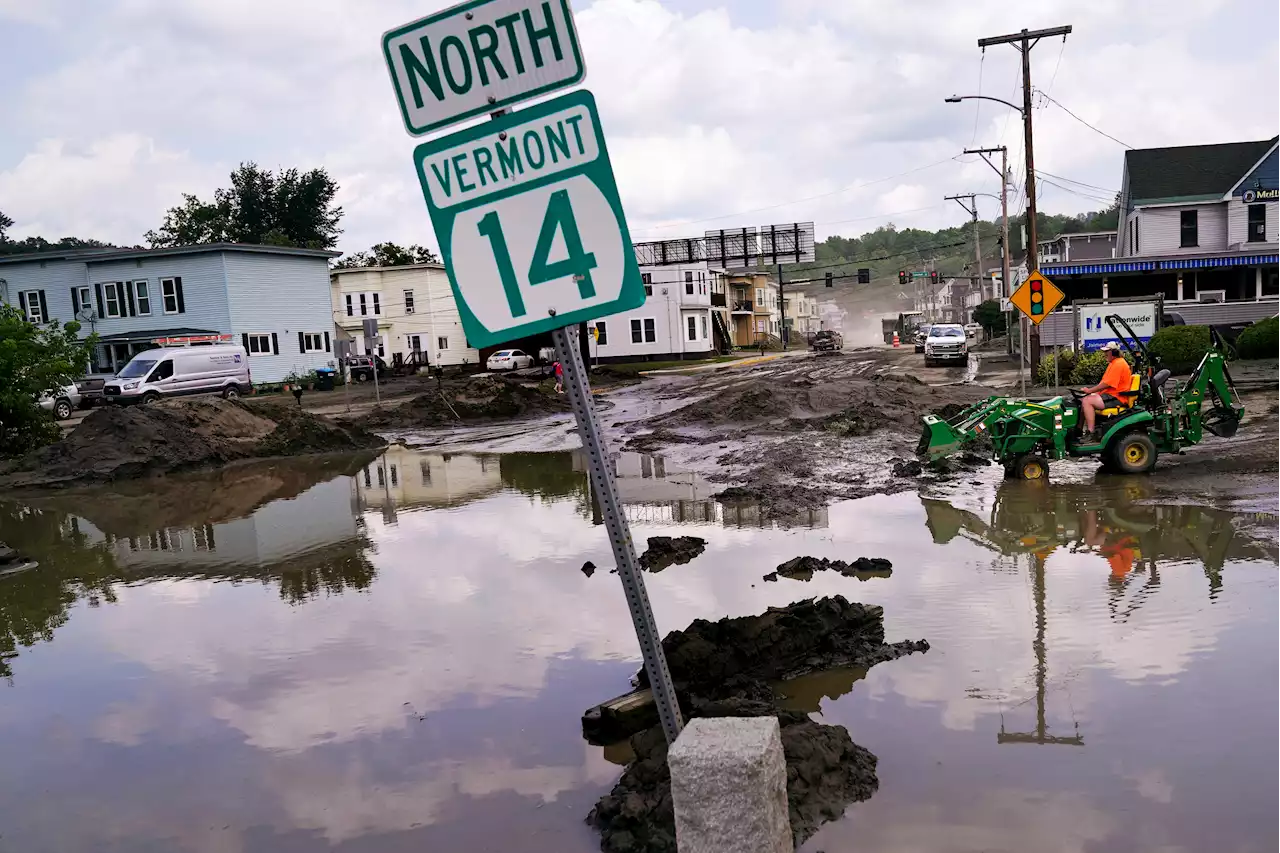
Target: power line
1085 123
1073 181
978 101
849 188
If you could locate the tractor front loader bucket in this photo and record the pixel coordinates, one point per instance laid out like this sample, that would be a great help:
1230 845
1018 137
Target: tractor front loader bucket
938 439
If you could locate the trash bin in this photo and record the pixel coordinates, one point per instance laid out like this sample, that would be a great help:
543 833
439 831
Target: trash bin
324 379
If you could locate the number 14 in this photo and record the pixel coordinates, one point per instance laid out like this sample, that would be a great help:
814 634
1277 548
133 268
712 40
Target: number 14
579 264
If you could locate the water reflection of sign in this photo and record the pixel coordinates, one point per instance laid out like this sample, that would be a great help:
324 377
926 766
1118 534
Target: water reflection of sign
1251 196
1094 331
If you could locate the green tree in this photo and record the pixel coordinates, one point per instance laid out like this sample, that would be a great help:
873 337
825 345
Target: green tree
388 255
288 208
989 316
34 359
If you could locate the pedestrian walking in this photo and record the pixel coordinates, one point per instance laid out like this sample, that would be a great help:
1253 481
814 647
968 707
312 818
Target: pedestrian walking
559 378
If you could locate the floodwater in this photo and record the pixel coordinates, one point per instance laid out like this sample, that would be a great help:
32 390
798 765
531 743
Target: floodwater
392 654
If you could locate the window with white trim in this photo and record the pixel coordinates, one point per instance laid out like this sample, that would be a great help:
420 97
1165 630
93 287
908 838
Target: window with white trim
33 303
377 307
408 302
142 296
643 331
760 296
350 308
169 295
1257 218
688 282
703 322
693 328
364 304
259 344
442 342
312 342
647 279
112 299
85 300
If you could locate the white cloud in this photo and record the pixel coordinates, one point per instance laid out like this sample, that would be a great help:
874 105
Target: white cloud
706 114
108 188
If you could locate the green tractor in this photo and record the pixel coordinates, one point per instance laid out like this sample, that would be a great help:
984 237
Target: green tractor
1025 435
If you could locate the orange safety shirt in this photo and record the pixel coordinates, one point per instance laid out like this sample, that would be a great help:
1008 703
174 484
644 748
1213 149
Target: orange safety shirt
1117 378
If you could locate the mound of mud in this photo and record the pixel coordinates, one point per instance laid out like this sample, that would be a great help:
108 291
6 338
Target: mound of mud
846 406
826 772
481 397
667 551
803 568
778 501
119 443
781 643
720 669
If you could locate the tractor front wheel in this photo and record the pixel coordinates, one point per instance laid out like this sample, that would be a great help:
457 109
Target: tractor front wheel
1028 466
1133 453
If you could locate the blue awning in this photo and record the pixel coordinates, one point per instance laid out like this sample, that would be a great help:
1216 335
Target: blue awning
1182 263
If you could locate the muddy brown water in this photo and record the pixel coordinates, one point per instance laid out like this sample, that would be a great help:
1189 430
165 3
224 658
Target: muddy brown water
393 655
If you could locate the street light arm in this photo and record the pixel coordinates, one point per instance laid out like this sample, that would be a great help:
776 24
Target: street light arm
955 99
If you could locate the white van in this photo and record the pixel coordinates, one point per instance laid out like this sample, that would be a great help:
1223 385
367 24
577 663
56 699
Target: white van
177 371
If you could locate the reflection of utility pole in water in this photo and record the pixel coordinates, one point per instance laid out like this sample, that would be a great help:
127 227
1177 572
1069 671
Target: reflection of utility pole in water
1039 736
389 507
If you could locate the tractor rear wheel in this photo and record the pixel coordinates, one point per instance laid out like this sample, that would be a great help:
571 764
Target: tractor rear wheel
1028 466
1132 453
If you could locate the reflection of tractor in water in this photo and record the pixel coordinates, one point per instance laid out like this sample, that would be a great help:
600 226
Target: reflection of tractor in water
1117 520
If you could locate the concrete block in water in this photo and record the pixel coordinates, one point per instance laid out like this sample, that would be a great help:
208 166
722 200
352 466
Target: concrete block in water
729 787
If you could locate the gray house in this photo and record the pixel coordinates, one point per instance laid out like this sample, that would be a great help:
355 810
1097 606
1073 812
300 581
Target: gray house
272 299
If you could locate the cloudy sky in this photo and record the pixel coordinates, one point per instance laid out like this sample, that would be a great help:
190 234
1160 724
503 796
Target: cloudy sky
718 113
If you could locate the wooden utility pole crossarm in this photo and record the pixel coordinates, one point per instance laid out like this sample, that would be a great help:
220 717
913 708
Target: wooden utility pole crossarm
1024 41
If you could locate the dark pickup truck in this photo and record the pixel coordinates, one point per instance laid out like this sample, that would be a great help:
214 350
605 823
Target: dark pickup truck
826 341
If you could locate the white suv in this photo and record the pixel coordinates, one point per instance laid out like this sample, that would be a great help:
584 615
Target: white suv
946 342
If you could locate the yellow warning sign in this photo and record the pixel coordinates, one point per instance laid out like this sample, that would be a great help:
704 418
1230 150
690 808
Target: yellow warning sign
1037 297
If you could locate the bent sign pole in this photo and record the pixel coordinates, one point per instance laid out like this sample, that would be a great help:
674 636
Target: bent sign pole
624 552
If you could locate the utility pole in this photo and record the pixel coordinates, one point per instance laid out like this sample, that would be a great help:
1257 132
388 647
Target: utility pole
972 209
1024 41
1006 284
782 308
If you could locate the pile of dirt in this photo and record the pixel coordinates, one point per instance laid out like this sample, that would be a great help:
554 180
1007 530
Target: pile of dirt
826 772
476 398
720 669
779 644
779 501
845 406
802 568
119 443
667 551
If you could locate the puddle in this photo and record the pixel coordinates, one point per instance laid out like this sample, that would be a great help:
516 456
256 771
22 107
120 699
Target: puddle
393 653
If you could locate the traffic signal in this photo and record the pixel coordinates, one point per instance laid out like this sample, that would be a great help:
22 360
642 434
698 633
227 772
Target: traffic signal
933 276
903 277
864 276
1037 297
828 279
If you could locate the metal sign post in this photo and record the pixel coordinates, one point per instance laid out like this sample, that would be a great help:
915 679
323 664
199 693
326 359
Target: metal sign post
624 552
370 329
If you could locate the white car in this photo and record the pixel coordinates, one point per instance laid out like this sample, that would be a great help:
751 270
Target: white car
62 402
946 342
509 359
972 330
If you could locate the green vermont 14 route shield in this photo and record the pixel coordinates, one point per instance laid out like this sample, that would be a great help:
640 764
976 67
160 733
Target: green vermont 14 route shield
529 222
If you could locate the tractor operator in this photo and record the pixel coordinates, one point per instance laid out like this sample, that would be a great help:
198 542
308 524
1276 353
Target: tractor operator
1110 392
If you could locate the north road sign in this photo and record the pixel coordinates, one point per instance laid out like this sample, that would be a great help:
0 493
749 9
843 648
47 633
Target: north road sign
480 57
530 226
